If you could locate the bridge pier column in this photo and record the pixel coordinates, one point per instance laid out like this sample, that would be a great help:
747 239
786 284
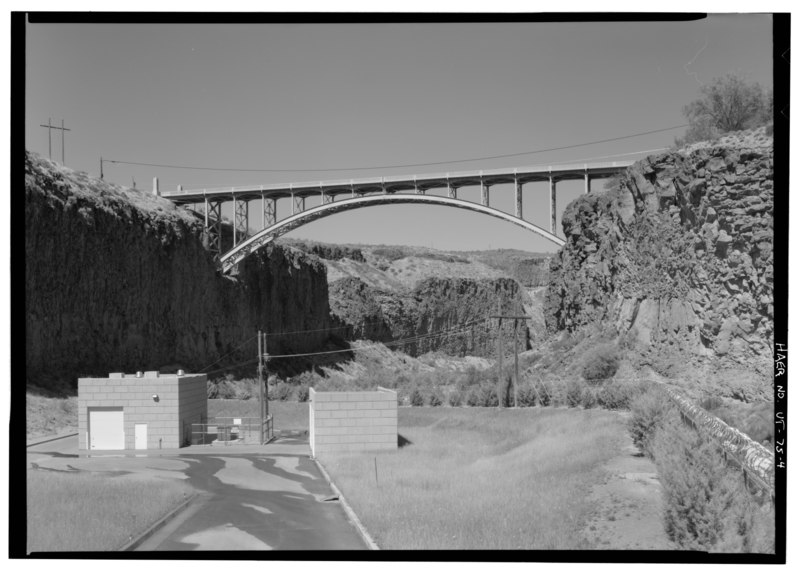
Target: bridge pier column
452 192
298 204
241 211
485 194
552 205
518 198
269 211
587 187
213 226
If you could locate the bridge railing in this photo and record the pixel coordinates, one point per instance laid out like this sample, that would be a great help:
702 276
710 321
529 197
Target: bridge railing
306 185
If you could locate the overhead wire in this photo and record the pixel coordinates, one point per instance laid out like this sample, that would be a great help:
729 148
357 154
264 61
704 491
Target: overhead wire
403 341
361 168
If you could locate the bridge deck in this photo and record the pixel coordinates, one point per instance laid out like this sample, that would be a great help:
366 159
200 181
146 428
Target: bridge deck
396 183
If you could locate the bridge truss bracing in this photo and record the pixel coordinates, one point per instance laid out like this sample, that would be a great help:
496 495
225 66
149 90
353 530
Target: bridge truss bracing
362 192
241 216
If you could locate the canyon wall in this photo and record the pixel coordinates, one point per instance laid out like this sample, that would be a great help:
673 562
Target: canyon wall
678 256
118 280
456 306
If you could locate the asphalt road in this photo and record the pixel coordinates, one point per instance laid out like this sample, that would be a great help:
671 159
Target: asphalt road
272 497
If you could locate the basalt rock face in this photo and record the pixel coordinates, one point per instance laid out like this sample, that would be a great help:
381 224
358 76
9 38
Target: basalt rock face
118 280
678 257
439 314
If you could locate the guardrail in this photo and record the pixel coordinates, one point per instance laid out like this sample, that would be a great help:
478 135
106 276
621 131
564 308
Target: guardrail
755 460
233 430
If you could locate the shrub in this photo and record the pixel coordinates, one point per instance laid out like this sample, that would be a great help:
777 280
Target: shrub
212 391
602 363
455 398
474 397
727 104
589 397
471 378
303 393
526 395
617 395
416 399
573 393
545 393
707 506
488 396
648 410
283 391
711 403
435 399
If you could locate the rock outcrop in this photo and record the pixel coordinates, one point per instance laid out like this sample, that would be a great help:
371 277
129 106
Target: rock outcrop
678 256
439 314
118 280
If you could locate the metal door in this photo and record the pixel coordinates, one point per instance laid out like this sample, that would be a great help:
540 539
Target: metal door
140 436
106 428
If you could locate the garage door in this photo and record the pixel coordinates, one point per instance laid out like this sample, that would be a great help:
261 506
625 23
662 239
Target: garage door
106 428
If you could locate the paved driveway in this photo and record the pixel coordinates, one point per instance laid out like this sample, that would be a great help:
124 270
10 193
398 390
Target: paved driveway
269 497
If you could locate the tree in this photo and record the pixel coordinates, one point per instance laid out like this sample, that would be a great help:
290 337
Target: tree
727 104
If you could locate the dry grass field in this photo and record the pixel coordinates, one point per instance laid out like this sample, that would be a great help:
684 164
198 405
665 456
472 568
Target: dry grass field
482 478
84 512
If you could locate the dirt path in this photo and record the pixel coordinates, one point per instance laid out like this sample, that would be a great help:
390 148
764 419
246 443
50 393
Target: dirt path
627 505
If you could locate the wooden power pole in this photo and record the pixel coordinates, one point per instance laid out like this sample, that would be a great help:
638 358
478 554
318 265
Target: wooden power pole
50 129
516 319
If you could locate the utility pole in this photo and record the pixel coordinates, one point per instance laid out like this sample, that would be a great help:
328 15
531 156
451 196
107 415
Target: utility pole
261 387
50 129
101 167
517 319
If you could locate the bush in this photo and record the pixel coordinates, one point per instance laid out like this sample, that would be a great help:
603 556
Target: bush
435 399
707 506
455 398
416 399
526 395
648 410
728 104
474 397
212 391
616 395
589 397
488 396
283 391
303 393
602 363
573 393
545 393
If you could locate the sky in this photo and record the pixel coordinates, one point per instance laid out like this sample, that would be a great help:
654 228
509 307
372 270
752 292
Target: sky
314 97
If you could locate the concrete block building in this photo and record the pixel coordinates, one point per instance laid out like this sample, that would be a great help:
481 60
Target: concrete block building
352 421
147 410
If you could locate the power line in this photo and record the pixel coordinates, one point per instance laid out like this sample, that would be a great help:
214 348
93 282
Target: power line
229 353
284 170
396 342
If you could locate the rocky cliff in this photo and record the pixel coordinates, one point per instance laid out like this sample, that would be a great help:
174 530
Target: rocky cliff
456 306
678 257
118 280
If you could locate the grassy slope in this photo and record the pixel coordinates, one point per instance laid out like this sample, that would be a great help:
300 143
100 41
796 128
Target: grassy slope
81 511
45 416
482 478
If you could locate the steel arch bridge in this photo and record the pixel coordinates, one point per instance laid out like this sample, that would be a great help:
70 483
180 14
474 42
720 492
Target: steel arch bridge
231 258
365 192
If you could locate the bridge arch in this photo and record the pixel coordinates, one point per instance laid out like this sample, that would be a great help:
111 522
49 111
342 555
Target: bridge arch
231 258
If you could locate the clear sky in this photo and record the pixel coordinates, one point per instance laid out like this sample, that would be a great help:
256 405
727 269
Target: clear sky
322 96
